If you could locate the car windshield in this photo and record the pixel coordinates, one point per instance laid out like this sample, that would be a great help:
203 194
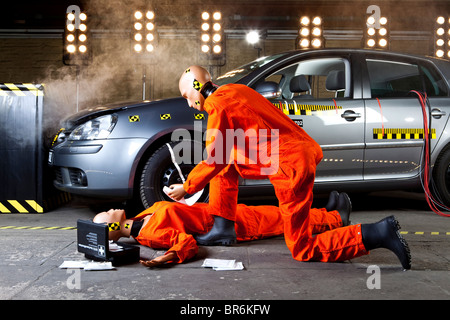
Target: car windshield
238 73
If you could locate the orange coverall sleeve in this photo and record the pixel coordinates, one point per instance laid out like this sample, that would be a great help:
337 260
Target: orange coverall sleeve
182 244
217 153
170 228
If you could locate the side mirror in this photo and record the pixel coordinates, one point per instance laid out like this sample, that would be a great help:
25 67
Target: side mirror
269 89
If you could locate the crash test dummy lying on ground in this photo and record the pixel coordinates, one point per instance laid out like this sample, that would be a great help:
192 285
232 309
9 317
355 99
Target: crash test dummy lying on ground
293 156
171 226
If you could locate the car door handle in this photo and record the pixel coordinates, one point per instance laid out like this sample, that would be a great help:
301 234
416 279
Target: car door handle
436 113
350 115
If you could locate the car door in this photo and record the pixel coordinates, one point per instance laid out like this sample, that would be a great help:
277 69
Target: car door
439 101
317 94
394 118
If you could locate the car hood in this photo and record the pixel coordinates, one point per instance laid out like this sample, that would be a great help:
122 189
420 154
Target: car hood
100 110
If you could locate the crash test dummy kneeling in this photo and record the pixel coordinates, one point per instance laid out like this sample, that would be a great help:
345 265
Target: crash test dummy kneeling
275 148
171 226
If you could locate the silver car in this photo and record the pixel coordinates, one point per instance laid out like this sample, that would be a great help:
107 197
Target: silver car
361 106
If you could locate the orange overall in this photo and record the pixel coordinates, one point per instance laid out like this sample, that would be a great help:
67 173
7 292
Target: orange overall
173 225
289 161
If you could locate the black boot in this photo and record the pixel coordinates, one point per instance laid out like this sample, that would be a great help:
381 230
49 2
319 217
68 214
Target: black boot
222 233
384 234
344 207
332 201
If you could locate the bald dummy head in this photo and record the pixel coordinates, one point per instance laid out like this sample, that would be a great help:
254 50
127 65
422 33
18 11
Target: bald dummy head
115 219
195 86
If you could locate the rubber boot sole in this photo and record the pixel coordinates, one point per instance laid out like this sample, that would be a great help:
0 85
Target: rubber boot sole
216 242
403 252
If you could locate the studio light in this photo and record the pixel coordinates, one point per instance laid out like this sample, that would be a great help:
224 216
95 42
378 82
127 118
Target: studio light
211 35
310 33
76 37
252 37
144 31
377 32
442 37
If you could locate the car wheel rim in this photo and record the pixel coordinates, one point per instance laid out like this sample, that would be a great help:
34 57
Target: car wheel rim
171 176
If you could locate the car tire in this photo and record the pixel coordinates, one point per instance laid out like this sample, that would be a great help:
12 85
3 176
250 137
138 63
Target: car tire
441 177
159 171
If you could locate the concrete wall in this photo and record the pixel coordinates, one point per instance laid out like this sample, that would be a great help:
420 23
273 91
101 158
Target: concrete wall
115 74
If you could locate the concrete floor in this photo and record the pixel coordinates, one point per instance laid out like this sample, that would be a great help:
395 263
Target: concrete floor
30 260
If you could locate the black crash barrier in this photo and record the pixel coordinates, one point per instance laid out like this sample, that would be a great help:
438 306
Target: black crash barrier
25 180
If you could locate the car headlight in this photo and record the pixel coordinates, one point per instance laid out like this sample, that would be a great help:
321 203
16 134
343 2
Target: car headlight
98 128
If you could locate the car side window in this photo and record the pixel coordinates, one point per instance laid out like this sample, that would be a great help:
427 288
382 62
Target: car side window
312 79
434 84
397 79
393 79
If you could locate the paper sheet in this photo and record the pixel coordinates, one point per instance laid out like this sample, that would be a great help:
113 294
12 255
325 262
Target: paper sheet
114 246
87 265
189 201
222 265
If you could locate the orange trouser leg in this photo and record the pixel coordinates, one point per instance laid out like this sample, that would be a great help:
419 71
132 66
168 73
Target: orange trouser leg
335 245
223 193
321 220
293 186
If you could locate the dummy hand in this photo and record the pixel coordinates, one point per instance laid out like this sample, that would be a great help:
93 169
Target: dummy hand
177 192
159 260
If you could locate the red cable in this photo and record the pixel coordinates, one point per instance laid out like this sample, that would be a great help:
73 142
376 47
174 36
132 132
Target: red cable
430 199
335 105
382 122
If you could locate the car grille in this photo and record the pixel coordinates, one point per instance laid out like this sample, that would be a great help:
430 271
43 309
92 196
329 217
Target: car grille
70 176
58 175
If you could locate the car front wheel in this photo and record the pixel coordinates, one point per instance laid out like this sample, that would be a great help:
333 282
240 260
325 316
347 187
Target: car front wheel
159 171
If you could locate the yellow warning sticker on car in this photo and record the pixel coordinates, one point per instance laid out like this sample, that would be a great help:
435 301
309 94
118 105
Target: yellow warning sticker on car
295 109
134 118
400 133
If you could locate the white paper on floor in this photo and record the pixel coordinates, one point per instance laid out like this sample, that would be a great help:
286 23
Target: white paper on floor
222 264
87 265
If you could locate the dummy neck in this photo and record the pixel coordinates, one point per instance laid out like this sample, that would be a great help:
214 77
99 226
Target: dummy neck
136 228
208 89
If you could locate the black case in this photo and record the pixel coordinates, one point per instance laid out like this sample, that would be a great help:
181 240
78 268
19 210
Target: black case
93 241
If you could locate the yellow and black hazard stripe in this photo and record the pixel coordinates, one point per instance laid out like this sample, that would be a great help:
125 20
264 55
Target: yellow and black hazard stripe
422 233
292 109
165 116
21 89
400 133
36 228
20 206
33 206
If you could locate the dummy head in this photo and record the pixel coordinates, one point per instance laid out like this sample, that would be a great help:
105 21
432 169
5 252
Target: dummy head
192 83
115 219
